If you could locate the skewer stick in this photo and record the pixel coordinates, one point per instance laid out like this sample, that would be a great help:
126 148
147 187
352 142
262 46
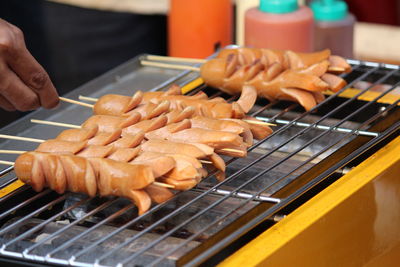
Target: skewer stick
76 102
260 122
169 66
336 69
6 151
87 98
176 59
20 138
53 123
230 150
205 161
164 185
201 61
192 68
4 162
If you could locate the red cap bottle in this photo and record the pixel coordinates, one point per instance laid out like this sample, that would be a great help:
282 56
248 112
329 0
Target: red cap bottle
280 24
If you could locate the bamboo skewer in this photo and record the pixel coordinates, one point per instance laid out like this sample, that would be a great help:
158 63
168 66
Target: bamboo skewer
76 102
6 151
176 59
53 123
195 60
260 123
164 185
336 69
5 162
169 66
20 138
87 98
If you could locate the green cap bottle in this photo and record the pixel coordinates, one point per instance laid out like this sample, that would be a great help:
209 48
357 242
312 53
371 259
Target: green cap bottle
329 10
334 27
278 6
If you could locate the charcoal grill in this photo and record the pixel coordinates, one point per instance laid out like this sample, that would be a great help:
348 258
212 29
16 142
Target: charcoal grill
306 153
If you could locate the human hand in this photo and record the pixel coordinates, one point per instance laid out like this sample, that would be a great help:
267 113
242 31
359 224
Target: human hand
24 84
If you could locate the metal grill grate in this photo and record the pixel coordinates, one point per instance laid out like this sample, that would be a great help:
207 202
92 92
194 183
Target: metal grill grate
76 230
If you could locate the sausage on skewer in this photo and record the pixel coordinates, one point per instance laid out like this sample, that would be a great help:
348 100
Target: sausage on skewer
89 176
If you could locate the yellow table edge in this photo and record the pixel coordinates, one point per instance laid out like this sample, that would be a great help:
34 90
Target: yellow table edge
278 235
192 85
10 188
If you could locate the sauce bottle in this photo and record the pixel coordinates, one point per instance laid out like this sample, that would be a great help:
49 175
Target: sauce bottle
334 27
280 24
196 28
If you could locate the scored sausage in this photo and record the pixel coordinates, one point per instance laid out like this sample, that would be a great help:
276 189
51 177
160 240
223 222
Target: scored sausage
89 176
288 59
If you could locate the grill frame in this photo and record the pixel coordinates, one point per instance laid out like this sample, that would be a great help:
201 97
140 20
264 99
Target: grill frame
280 203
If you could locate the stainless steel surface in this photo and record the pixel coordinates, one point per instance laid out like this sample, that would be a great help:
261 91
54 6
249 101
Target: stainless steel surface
76 230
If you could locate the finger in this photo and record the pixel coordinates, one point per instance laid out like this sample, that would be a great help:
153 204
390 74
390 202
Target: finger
32 73
6 105
16 92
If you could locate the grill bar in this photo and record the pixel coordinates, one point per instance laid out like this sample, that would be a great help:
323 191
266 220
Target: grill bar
65 245
116 231
23 204
243 195
49 237
30 215
5 171
286 110
265 107
32 230
321 127
225 181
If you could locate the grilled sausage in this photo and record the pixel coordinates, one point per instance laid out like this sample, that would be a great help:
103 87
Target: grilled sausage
57 146
108 123
212 138
145 126
117 104
288 59
77 135
203 107
160 163
272 83
168 147
89 176
158 194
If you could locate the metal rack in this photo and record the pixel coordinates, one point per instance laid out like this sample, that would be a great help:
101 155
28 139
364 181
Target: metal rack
306 148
